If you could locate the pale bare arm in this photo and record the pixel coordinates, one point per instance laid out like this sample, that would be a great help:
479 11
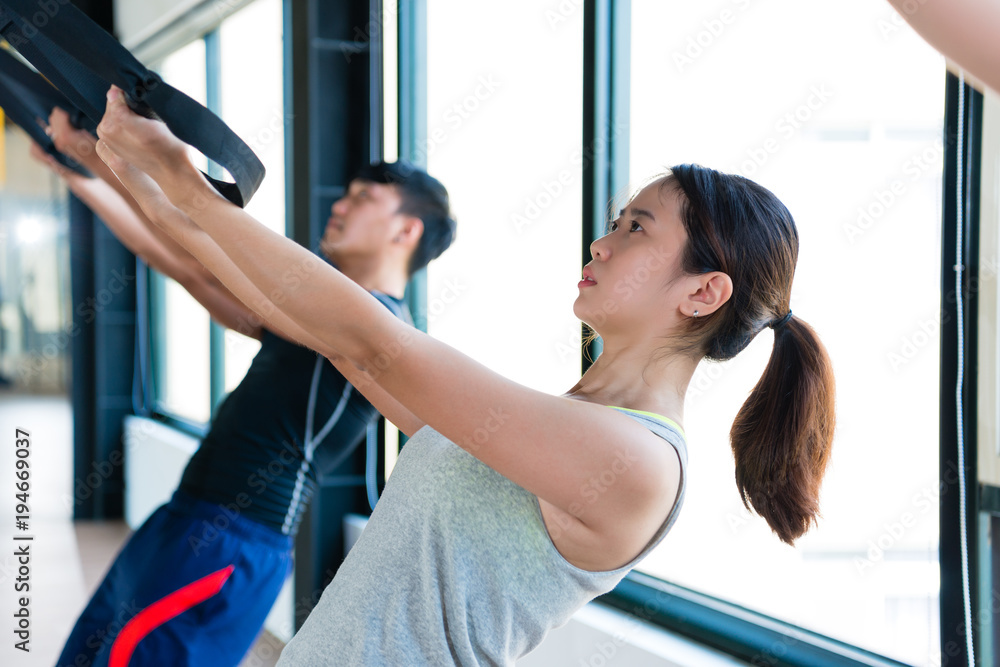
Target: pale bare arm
260 309
135 235
115 205
549 445
964 31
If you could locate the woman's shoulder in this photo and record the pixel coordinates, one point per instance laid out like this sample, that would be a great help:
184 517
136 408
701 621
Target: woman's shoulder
665 427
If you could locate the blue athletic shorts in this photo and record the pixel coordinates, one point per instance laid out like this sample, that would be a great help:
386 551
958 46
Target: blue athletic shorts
192 586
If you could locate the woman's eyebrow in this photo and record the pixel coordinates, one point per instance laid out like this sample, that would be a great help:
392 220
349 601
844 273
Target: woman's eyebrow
637 212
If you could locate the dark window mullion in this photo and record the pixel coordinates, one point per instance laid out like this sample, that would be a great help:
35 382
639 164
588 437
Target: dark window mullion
606 79
953 625
327 141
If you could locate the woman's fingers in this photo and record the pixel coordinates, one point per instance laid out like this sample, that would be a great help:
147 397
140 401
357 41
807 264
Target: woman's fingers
115 132
145 143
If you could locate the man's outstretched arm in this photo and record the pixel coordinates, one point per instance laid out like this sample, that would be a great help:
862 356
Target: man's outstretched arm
108 198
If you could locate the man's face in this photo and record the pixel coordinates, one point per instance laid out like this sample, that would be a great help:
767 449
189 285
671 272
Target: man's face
362 223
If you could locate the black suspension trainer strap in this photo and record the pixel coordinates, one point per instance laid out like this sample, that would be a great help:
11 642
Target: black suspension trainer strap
28 100
82 60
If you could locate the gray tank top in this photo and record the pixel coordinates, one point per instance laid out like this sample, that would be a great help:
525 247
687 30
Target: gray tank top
455 567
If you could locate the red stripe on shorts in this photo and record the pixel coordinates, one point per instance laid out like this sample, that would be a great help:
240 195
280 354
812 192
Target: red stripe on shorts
162 611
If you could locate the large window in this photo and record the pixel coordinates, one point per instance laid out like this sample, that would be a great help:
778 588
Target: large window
239 68
838 112
504 136
180 324
252 105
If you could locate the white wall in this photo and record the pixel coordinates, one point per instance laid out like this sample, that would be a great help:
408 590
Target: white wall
153 28
155 456
134 20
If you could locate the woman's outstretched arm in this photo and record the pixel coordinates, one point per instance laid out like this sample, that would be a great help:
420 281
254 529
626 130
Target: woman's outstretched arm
111 201
964 31
115 205
554 447
257 311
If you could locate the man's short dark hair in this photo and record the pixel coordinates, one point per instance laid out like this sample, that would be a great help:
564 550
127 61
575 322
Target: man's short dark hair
424 197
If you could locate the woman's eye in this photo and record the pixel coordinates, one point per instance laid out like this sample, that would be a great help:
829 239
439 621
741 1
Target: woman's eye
613 227
635 226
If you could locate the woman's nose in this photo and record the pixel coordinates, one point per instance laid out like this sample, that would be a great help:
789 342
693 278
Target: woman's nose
600 248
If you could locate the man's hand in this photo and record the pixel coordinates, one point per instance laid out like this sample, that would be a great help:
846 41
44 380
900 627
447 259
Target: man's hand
77 144
71 177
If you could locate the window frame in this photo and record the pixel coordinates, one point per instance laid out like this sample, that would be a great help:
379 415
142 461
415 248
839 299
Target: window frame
743 633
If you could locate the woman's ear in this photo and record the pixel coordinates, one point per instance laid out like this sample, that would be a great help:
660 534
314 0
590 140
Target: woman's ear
708 292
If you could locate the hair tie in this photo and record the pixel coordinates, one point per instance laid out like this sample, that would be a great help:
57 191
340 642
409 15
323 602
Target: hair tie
779 323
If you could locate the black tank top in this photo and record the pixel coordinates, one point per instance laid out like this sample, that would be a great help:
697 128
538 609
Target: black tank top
256 458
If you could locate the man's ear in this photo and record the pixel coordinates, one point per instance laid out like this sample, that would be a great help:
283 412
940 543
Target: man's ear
410 232
708 293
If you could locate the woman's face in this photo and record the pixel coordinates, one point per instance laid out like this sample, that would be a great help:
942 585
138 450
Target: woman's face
630 283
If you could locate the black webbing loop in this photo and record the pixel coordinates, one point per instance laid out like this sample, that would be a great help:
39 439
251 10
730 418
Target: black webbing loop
82 60
28 100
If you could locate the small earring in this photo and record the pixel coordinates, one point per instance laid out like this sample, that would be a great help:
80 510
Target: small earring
696 313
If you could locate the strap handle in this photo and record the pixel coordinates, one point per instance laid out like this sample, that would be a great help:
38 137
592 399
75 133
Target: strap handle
82 60
28 100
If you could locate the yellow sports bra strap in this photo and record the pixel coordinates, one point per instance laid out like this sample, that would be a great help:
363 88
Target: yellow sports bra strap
654 416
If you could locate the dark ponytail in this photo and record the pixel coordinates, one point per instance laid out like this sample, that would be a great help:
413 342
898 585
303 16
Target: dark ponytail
782 435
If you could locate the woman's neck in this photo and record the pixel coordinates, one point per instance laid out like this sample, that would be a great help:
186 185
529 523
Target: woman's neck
638 379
